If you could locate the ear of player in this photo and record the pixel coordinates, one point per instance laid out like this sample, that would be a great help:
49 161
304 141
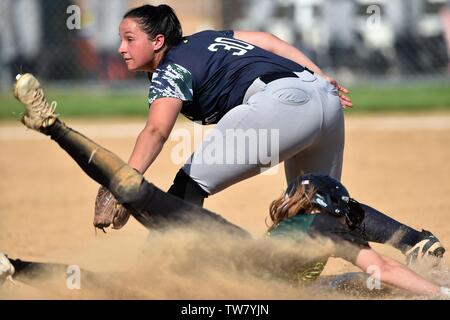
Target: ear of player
38 113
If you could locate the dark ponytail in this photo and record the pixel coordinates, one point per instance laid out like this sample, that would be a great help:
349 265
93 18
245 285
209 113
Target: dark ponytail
158 20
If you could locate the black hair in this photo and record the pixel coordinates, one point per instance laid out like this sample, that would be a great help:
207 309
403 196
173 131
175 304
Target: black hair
155 20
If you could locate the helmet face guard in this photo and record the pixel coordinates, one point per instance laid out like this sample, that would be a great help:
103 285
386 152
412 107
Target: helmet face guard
331 197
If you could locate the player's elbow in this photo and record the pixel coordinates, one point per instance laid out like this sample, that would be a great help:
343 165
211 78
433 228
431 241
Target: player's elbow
155 132
384 272
271 36
373 263
383 268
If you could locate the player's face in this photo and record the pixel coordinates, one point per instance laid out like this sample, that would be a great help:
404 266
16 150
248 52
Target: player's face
135 47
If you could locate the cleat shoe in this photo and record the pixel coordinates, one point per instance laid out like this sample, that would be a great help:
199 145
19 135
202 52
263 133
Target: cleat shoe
428 251
6 269
38 113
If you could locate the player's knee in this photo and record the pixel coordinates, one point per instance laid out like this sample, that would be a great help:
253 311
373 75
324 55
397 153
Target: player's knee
186 188
126 186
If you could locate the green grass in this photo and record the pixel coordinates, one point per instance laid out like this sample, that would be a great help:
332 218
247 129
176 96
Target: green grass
413 98
120 104
79 104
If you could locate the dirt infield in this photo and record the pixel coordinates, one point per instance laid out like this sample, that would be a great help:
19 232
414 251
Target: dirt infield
399 164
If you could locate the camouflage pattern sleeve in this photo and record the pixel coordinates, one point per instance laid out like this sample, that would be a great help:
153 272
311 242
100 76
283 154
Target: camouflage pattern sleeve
171 81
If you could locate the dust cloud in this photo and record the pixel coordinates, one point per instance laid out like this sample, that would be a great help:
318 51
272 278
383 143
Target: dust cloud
186 264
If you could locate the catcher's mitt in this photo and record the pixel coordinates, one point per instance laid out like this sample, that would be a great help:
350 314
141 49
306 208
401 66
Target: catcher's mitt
108 211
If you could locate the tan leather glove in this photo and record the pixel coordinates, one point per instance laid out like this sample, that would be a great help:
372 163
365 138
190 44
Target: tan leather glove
108 211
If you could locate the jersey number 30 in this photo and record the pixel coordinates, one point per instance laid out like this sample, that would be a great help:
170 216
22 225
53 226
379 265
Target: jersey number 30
239 47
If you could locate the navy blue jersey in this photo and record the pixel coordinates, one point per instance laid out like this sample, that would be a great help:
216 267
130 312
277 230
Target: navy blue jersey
210 72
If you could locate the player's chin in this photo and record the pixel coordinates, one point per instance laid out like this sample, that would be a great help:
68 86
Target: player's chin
134 68
131 66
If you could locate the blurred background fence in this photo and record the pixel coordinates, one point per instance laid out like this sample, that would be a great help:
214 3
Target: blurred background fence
73 43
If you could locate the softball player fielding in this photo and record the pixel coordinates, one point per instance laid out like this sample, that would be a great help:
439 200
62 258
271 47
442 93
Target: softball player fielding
242 80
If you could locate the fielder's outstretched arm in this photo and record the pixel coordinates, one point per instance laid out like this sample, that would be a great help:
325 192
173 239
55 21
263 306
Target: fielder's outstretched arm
275 45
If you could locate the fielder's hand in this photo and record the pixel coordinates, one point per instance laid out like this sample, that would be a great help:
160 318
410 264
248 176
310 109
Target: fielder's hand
108 211
346 102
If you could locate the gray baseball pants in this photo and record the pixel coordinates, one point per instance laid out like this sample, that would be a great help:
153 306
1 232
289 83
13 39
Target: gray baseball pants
296 120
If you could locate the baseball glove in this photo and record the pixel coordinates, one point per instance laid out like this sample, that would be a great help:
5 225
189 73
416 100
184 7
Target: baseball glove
108 211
